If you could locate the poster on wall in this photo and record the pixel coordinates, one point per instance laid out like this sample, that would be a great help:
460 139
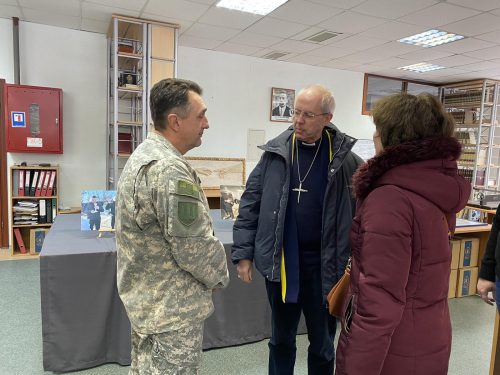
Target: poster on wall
230 196
98 210
282 101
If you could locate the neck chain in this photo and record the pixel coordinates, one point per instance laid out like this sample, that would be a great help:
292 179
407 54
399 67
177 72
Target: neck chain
301 180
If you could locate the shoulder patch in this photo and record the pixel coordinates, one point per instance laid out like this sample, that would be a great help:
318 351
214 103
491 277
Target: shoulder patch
187 188
187 212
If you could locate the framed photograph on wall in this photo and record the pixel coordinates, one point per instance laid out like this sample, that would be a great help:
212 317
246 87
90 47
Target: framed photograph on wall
282 101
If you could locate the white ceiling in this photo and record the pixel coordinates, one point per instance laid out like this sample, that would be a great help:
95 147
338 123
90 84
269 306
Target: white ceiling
368 43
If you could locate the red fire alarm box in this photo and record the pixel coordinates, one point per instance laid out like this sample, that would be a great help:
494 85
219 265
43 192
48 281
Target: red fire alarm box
33 117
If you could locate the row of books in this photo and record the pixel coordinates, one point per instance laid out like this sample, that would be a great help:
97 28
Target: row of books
43 211
34 183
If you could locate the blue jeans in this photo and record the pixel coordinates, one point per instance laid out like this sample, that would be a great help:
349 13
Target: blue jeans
320 324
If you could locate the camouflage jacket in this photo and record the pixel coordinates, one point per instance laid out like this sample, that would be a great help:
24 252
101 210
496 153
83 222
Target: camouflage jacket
168 259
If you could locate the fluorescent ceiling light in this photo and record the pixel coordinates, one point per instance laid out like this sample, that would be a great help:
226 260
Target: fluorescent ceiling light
431 38
261 7
422 67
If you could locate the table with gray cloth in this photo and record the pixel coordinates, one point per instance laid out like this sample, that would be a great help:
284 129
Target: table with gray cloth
84 323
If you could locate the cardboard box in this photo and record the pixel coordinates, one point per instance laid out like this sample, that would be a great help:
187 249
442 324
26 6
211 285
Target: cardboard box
455 245
469 252
452 290
467 281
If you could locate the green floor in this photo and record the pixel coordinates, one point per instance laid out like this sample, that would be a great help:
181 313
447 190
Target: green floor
21 334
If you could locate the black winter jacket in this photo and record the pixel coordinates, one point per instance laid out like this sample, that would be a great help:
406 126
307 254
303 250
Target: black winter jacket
490 265
258 230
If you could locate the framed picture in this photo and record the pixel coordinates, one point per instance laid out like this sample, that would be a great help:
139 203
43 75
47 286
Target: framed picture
37 236
282 101
230 197
98 210
214 172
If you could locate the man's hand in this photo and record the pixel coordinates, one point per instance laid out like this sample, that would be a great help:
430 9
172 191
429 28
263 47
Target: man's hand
483 288
244 269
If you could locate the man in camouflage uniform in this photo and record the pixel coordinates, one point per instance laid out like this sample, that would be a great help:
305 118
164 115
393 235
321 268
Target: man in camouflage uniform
168 259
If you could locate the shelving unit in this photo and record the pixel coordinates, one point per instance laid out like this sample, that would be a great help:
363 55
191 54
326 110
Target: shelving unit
31 220
474 105
141 52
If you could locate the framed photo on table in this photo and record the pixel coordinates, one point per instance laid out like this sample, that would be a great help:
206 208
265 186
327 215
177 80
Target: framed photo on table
282 101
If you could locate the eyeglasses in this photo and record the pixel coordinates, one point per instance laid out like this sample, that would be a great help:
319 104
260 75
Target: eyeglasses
307 115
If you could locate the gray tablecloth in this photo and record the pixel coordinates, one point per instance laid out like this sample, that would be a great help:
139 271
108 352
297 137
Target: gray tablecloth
84 323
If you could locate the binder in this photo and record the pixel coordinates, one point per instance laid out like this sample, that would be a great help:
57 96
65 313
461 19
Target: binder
20 241
45 184
15 182
33 183
20 190
27 180
38 190
49 211
50 188
54 209
42 211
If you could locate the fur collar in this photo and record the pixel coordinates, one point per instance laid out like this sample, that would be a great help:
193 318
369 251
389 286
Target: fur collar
366 176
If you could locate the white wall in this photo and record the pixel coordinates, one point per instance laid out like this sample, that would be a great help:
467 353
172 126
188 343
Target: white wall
6 50
237 91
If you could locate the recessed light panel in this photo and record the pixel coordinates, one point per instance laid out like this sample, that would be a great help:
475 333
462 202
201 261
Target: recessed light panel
422 67
431 38
260 7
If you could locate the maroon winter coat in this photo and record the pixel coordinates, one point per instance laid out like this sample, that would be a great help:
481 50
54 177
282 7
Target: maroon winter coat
396 319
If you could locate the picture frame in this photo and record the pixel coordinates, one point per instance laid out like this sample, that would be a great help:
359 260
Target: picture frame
214 172
282 104
98 210
230 197
37 236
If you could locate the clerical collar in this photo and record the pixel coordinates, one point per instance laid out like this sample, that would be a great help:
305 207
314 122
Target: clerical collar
308 145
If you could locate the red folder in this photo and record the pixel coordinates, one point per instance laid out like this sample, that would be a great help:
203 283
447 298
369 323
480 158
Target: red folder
20 241
50 189
45 184
20 190
38 191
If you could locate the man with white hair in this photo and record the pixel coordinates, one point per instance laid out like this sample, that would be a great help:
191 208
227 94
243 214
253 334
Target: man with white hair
294 221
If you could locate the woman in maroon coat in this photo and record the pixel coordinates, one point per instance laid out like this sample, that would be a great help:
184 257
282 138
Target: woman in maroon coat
396 319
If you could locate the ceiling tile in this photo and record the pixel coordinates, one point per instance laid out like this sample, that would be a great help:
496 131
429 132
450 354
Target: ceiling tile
254 39
445 72
358 43
338 64
184 10
228 18
361 57
10 2
456 60
439 14
121 4
305 13
350 22
393 30
393 62
7 11
476 25
208 2
315 30
483 65
182 23
366 68
103 13
66 7
195 42
491 37
211 32
464 45
294 46
237 48
308 59
94 26
484 5
275 27
50 18
425 54
492 74
343 4
392 49
391 9
486 54
330 52
496 12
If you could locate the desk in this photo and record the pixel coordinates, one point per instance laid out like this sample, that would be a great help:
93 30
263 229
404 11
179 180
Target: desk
84 323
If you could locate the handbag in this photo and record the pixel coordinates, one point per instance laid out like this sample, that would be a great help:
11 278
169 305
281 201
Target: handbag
337 295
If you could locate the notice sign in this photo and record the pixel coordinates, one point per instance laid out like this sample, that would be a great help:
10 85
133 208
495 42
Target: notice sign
34 142
18 119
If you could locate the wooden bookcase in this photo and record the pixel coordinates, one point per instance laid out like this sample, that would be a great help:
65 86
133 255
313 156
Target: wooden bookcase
28 230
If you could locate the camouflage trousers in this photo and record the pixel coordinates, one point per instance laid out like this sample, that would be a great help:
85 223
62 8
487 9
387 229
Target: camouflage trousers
169 353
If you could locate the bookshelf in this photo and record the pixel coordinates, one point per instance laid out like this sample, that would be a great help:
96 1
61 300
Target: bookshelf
33 207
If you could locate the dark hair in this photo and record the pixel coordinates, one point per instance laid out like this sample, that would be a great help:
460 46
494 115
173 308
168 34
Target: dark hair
402 118
169 95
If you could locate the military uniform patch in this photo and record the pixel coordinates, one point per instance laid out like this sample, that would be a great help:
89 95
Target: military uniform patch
187 212
188 188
